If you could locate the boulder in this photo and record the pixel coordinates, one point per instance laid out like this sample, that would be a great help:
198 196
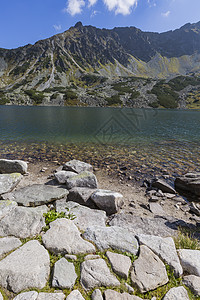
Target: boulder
176 293
190 261
193 283
75 295
77 166
96 295
64 275
189 182
64 237
8 182
95 273
165 249
120 263
148 271
62 176
112 237
82 196
83 179
163 186
32 295
8 244
113 295
13 166
6 206
107 200
38 194
25 268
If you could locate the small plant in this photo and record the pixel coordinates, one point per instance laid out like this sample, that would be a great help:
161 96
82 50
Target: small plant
185 240
52 215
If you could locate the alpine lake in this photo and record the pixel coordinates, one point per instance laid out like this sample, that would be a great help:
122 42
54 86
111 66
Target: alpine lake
133 144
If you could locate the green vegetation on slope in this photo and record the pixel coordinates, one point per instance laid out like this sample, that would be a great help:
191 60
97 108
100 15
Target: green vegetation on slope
166 96
36 96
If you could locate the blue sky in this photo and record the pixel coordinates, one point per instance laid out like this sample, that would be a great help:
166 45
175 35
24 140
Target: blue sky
27 21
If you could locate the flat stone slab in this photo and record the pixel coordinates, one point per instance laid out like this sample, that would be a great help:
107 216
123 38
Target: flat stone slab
112 237
77 166
62 176
96 295
176 293
120 263
38 194
64 237
163 186
95 273
25 268
165 249
51 296
193 283
8 244
190 261
83 179
6 206
32 295
75 295
107 200
82 196
190 182
13 166
113 295
64 275
8 182
148 271
23 222
156 209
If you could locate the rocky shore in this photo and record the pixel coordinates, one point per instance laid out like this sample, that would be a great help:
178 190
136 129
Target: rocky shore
73 232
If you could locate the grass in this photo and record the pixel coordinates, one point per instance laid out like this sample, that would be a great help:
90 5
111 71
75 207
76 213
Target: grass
185 240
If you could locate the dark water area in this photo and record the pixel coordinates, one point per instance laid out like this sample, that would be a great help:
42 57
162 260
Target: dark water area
128 142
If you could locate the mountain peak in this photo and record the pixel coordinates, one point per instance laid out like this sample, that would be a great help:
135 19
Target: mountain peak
78 25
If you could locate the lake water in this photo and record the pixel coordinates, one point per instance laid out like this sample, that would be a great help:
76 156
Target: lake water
162 138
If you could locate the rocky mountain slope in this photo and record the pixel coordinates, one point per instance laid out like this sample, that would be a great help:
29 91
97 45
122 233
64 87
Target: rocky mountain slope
81 65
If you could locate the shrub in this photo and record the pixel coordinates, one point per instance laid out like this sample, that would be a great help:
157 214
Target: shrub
114 100
36 96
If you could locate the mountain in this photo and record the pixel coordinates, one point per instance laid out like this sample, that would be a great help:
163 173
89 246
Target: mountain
65 66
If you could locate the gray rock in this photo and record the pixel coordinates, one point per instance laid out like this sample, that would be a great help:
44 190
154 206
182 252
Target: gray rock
6 206
141 225
165 249
23 222
83 179
64 237
163 186
176 293
190 182
112 237
8 244
26 267
51 296
91 256
75 295
156 209
109 201
13 166
96 295
129 288
82 196
110 295
148 271
62 176
32 295
193 283
64 275
72 257
77 166
38 194
95 273
8 182
190 261
120 263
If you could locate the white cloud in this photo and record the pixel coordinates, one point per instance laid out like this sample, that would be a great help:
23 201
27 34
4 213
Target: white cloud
94 13
74 7
166 14
92 2
121 6
57 27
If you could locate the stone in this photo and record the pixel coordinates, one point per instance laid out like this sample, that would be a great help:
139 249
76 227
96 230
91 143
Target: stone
8 182
195 208
113 295
32 295
112 237
75 295
13 166
107 200
64 275
8 244
190 261
189 182
25 268
129 288
148 271
82 196
156 209
23 222
38 194
64 237
77 166
176 293
6 206
51 296
85 216
193 283
163 186
83 179
72 257
91 256
165 249
96 295
95 273
62 176
120 263
143 225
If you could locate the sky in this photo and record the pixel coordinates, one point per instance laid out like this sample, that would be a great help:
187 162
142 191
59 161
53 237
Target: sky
27 21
